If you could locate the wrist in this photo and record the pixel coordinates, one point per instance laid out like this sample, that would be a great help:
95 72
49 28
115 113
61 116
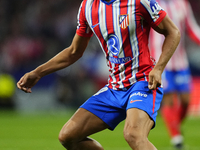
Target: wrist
38 73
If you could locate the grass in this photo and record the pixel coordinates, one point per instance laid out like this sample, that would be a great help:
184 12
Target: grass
39 131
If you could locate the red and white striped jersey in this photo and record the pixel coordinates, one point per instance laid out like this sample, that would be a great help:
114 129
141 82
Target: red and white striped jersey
181 14
122 29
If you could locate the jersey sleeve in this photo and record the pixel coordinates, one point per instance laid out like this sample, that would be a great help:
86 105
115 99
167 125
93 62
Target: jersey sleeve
83 28
152 12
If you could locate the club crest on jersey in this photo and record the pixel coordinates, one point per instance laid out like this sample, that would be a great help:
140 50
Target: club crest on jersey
124 21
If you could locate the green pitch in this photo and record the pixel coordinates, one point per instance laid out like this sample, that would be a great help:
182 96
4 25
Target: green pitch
39 131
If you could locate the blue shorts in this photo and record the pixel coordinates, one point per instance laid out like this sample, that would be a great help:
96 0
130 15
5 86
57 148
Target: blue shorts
111 105
176 81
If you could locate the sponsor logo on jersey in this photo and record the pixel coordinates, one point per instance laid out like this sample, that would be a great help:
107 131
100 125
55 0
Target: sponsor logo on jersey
124 21
119 60
139 94
113 44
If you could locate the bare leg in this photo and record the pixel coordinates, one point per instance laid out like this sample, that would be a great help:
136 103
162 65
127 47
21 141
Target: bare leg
73 135
137 127
168 99
185 98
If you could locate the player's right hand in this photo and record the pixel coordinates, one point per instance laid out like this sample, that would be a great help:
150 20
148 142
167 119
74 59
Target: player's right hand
154 79
28 81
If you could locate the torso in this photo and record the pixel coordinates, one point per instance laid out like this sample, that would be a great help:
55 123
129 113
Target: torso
123 36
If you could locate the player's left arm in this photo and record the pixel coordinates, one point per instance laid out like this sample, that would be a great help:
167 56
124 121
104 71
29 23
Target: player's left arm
172 38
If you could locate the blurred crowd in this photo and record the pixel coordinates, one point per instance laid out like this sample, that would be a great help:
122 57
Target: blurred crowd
33 31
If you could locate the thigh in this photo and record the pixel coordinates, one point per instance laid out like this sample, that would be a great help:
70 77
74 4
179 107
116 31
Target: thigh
105 104
82 124
144 99
138 121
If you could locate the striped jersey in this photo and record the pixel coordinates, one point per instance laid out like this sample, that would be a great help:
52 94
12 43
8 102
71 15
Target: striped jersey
181 14
122 29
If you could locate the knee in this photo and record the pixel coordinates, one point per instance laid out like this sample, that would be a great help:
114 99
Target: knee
134 137
168 99
66 138
185 101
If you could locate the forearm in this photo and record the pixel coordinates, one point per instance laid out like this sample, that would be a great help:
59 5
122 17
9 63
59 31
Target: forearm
62 60
170 44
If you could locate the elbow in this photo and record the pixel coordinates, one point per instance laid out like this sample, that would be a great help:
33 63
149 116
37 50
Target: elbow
174 35
76 54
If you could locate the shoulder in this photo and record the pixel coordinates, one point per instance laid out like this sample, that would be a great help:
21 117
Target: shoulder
151 5
148 2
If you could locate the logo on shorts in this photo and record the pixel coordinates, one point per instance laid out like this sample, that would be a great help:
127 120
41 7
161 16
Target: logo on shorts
139 94
132 101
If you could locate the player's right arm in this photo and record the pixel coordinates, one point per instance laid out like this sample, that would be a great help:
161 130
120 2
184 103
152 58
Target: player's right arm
158 19
172 39
62 60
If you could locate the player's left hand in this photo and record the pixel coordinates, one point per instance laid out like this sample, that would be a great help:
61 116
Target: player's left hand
154 79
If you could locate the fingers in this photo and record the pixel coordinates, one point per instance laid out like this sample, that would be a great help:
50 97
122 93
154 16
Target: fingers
26 89
153 83
22 86
150 86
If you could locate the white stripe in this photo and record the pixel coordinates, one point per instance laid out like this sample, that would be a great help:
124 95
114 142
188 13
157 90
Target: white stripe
78 15
88 11
133 40
102 20
99 12
89 19
117 29
122 75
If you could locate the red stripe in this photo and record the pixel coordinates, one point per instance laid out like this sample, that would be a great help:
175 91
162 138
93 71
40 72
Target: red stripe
110 26
95 20
154 101
125 32
126 42
109 19
81 31
145 63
